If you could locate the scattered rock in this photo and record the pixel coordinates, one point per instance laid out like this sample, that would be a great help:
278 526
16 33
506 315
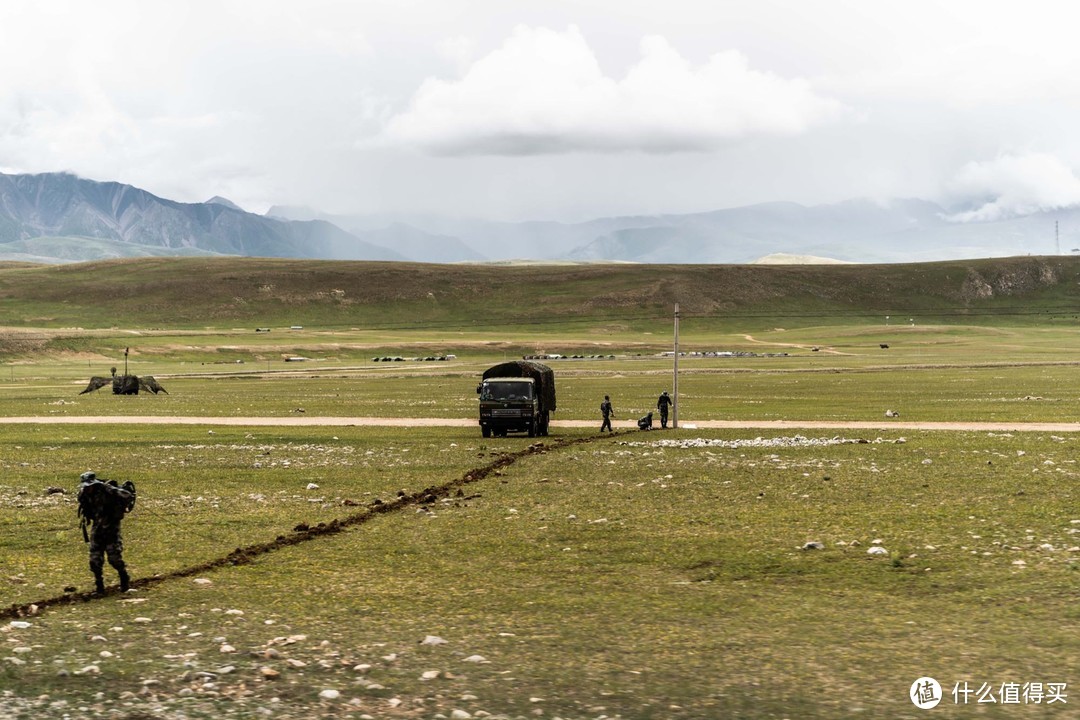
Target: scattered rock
330 694
476 659
892 414
814 545
432 640
761 442
877 550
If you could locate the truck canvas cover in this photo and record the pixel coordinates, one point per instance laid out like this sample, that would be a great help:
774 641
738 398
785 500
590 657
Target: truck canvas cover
541 374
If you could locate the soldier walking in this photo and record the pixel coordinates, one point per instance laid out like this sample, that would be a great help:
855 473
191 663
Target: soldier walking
102 505
608 413
662 404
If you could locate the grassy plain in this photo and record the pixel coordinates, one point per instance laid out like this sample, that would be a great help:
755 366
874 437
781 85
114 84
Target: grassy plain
654 575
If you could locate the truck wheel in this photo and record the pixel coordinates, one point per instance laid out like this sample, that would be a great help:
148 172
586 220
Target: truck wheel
532 428
485 431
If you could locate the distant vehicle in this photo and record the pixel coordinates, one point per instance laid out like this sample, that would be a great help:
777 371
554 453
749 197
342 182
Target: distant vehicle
516 396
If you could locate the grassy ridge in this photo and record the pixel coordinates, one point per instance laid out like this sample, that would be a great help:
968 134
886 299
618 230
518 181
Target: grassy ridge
223 292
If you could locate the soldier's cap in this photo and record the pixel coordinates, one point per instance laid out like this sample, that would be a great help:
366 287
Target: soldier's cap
88 477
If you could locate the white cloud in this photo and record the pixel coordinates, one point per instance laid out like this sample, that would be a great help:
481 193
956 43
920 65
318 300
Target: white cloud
458 50
544 92
325 102
1015 185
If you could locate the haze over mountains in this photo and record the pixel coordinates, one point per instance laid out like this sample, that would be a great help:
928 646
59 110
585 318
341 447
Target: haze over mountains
58 217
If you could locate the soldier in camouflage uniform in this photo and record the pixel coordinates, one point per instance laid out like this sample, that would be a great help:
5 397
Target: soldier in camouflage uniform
102 505
662 404
608 413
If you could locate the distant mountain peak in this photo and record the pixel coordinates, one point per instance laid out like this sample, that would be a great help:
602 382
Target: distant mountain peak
62 216
218 200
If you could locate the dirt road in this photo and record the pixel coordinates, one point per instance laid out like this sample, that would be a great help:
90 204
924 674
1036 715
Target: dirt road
316 421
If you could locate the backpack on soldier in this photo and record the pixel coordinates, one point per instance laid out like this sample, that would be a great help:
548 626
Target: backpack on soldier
95 499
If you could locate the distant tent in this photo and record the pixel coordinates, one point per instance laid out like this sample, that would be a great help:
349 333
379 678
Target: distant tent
125 384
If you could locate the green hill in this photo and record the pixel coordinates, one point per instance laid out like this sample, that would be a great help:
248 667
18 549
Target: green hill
235 291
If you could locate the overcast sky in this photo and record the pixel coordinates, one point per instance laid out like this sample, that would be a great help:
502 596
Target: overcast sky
549 109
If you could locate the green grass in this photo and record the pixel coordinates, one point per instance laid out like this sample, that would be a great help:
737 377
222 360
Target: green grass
940 384
601 301
648 581
617 577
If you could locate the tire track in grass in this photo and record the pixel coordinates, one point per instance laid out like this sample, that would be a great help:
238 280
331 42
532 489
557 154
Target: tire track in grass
303 533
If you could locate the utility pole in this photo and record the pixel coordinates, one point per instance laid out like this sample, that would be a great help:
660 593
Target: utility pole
675 382
1057 237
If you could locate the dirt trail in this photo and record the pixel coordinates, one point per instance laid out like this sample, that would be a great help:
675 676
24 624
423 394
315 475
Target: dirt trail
304 533
331 421
827 351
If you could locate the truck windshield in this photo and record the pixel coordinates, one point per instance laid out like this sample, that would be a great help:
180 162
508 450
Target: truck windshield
506 391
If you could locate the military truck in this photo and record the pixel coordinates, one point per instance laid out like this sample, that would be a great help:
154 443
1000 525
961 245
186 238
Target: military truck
516 396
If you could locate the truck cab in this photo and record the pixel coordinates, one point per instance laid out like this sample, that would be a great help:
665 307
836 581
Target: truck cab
508 405
516 396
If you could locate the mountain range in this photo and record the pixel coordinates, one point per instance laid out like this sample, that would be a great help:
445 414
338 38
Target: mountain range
58 217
